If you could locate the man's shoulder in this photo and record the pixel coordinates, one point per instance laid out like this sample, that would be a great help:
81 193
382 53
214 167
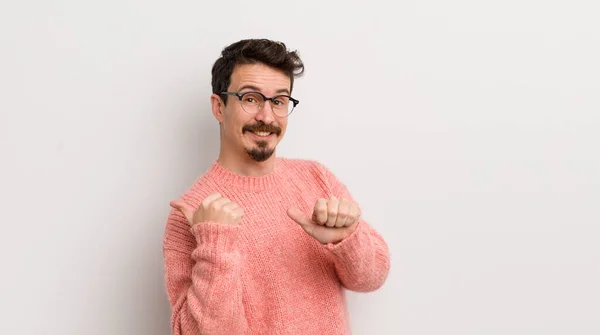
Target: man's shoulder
303 166
308 171
310 174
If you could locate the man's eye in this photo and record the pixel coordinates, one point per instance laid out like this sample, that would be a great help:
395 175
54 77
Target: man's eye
281 101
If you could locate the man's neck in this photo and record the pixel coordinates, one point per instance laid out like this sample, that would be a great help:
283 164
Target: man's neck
246 166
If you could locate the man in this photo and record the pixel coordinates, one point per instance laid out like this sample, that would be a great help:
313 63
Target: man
261 244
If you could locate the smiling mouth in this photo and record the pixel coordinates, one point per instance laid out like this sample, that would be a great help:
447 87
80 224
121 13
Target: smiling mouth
262 130
261 133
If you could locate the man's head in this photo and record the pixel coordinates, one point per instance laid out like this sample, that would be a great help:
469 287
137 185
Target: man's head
246 73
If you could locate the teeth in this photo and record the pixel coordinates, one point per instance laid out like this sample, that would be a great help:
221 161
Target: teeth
262 133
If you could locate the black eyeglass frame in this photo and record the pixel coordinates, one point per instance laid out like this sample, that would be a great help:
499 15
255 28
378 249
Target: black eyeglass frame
240 96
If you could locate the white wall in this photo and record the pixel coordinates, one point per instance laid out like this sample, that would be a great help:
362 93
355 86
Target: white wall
467 130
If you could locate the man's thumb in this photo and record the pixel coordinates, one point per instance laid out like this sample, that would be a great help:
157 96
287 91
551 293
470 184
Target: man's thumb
186 210
299 217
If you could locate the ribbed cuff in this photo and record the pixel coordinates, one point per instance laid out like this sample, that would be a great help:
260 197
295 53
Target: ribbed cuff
351 248
217 237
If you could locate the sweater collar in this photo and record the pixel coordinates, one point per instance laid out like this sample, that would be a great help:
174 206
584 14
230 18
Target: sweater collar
224 176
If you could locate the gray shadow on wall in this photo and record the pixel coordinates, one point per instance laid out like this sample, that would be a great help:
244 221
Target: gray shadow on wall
207 148
197 137
194 135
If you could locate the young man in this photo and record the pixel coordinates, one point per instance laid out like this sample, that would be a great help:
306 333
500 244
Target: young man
261 244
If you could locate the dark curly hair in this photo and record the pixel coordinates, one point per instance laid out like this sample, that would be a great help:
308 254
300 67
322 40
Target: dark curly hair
251 51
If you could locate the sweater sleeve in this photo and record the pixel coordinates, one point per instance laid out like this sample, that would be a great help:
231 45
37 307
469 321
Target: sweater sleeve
362 260
202 266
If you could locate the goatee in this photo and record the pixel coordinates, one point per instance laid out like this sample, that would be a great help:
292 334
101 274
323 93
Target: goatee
262 153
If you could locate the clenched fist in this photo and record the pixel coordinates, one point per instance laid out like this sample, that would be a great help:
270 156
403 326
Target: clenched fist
332 220
214 208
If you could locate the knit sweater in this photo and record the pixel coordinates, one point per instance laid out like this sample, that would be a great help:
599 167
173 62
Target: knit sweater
266 275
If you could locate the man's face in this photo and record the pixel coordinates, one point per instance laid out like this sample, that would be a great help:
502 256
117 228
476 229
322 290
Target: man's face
255 135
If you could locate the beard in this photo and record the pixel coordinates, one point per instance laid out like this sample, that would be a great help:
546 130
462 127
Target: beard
261 152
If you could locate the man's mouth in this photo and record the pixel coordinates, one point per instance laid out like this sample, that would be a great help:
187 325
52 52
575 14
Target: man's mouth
261 133
262 130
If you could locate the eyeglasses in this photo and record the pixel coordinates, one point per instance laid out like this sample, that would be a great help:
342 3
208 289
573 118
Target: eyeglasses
253 102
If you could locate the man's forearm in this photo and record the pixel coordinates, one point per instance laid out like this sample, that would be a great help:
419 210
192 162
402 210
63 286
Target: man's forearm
208 299
362 260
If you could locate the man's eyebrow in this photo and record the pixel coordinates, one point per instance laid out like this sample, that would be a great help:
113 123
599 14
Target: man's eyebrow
251 87
254 88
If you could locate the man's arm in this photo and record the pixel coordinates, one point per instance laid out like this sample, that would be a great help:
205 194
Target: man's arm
362 260
203 266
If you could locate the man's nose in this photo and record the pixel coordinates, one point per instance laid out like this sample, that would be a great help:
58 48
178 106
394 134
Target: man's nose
266 114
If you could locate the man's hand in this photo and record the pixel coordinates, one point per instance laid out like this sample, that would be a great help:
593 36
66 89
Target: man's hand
332 221
213 208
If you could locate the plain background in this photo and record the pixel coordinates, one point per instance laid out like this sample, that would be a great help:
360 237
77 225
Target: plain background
467 130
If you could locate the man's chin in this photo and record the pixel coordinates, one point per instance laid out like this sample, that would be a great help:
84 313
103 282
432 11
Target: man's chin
260 154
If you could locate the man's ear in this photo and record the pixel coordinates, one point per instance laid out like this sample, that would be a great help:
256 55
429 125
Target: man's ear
218 107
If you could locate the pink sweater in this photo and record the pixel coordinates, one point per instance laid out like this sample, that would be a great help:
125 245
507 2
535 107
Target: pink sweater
267 276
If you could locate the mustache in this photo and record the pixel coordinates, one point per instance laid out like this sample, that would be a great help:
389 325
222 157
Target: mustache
261 126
